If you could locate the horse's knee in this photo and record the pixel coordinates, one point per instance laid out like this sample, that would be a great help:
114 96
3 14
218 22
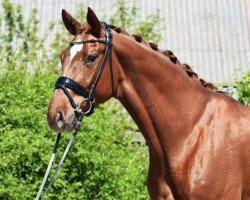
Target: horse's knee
158 189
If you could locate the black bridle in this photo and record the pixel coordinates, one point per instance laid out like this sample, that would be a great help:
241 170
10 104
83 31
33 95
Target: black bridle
66 83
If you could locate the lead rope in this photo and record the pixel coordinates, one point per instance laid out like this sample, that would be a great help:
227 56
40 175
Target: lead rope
52 158
59 165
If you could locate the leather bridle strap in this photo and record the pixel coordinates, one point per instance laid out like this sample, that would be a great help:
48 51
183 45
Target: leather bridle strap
106 55
111 73
65 82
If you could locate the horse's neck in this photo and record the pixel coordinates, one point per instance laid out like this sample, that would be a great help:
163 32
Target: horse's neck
155 91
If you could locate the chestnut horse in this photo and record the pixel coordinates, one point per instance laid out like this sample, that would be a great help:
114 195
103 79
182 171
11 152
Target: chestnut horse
198 139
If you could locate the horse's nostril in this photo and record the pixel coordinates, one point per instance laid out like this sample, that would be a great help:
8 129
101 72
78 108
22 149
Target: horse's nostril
60 116
60 119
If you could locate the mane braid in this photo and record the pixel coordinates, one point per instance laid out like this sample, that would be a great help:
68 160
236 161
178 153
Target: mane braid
115 28
138 38
170 55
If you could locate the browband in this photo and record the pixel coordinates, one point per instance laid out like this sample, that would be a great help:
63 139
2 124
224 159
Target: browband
101 40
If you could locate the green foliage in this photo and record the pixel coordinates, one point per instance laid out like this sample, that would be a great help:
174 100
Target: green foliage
104 162
147 28
125 17
19 37
243 89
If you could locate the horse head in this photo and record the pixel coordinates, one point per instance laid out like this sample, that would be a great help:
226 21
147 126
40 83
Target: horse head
88 77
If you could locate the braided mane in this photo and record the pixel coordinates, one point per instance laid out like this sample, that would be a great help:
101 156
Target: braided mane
170 55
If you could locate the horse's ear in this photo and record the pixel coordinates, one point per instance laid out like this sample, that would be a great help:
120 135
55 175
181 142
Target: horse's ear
71 24
94 22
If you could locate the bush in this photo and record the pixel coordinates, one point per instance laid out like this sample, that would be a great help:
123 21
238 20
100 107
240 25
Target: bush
243 89
103 164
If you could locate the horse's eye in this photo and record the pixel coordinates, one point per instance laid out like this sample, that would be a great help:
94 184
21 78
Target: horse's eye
91 58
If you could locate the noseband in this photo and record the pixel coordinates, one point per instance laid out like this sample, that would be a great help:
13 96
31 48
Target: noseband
66 83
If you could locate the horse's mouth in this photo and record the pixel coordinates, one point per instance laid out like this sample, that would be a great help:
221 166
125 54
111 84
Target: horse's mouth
71 123
62 124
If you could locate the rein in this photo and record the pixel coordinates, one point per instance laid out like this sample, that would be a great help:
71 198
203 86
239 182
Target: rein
66 83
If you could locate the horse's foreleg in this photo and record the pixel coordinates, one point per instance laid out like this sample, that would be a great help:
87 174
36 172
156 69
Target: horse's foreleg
156 183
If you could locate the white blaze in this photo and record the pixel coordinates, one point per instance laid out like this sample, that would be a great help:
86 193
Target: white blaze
73 51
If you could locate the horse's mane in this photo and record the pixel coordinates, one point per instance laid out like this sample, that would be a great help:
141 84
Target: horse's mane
170 55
